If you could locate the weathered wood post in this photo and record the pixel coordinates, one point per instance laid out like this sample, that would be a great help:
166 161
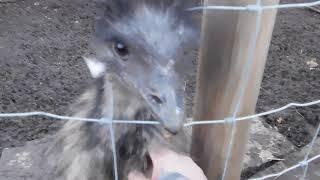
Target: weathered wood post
224 50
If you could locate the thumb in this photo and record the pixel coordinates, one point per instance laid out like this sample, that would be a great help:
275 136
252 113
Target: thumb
157 154
135 175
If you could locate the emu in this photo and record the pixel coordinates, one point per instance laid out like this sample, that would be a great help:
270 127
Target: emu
140 47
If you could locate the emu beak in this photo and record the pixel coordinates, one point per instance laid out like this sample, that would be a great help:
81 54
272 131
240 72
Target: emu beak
170 113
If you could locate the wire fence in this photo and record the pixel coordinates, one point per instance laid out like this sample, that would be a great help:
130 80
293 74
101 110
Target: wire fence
257 8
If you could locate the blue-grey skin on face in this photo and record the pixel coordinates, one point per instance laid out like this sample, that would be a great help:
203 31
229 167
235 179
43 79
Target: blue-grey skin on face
144 43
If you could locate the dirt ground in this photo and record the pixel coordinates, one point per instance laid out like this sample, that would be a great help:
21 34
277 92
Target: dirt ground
41 49
42 42
289 77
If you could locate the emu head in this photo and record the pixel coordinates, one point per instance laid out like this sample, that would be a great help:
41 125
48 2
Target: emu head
145 43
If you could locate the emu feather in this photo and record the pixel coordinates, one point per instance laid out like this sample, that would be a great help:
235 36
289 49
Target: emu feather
139 46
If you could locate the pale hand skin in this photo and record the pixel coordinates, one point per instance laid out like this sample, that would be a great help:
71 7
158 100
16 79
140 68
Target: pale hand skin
167 161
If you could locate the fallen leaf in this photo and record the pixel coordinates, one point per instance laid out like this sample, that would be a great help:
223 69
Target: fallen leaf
280 120
312 63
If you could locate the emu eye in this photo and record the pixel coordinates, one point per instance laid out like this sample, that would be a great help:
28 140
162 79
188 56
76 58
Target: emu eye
121 49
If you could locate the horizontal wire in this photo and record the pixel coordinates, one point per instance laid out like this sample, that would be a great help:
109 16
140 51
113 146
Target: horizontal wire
250 7
288 169
255 115
199 122
297 5
259 8
280 109
255 7
10 115
40 113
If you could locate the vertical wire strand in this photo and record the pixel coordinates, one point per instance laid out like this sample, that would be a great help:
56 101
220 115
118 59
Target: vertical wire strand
246 74
109 111
111 129
113 146
114 154
233 129
309 152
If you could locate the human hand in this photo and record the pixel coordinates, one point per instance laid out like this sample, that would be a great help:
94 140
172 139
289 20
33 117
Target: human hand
167 162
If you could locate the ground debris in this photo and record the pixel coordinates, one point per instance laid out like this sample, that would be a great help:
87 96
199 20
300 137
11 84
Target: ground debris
8 1
266 146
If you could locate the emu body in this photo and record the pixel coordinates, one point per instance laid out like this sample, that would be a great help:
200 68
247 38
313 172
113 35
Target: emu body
139 46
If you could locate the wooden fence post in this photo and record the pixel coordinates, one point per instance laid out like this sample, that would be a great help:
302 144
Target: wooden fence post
224 50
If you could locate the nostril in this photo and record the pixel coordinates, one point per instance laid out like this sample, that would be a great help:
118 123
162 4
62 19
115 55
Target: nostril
172 131
156 99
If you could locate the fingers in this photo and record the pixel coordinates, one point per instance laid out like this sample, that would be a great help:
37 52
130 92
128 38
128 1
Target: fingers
161 154
134 175
164 160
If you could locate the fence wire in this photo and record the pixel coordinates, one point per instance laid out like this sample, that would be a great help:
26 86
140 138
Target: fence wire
257 8
246 74
139 122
